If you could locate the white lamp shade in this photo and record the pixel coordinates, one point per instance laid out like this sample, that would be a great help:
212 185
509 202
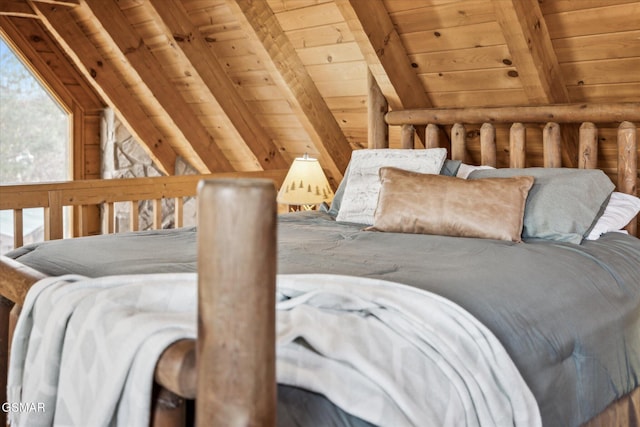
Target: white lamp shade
305 184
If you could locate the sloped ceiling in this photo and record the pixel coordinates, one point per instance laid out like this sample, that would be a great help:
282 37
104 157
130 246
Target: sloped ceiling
252 84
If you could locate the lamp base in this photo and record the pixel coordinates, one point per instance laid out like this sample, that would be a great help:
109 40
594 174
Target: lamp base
301 208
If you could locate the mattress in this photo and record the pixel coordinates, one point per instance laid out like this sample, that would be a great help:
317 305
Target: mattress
568 315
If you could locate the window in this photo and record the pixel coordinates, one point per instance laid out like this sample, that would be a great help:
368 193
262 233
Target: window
34 138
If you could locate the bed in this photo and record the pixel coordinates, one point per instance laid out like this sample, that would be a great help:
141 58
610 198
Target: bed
565 309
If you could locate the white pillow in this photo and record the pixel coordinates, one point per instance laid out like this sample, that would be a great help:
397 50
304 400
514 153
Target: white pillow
620 210
361 191
464 170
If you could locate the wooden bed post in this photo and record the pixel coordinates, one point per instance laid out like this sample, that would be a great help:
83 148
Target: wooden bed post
517 146
407 136
488 145
235 355
588 151
552 145
377 107
628 164
458 142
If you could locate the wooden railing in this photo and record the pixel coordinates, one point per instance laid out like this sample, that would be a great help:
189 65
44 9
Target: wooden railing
53 197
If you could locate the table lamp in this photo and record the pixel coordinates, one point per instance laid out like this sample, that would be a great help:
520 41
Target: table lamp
305 185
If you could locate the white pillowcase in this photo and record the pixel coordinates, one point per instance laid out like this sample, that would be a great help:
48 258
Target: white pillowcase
620 210
363 185
464 170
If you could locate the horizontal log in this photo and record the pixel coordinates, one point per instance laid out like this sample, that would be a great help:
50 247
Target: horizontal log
559 113
176 368
16 279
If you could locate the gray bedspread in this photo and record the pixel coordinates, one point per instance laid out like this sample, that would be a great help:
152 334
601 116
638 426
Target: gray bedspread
568 315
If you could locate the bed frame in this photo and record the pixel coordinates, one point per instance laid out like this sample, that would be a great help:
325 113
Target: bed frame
231 367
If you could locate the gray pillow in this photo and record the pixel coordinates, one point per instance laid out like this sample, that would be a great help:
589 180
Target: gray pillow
563 203
337 197
450 167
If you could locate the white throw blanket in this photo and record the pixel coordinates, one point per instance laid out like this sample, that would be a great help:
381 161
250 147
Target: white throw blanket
388 353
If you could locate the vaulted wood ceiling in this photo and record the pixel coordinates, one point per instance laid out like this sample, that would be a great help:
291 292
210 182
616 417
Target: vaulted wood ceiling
252 84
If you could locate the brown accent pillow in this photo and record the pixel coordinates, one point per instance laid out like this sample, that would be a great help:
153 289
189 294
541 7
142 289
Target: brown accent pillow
491 208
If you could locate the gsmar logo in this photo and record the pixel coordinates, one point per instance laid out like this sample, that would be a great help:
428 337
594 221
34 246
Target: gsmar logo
23 407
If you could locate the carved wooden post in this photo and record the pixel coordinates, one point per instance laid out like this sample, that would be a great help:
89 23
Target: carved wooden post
15 281
236 383
588 150
628 164
458 142
377 107
488 145
552 146
517 146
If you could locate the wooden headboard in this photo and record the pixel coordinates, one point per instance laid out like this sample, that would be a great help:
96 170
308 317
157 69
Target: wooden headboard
566 135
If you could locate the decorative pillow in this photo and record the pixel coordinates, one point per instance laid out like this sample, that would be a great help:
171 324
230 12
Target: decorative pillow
620 210
563 203
491 208
363 185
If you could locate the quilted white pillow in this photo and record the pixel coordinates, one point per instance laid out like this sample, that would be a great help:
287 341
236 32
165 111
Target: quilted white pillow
361 191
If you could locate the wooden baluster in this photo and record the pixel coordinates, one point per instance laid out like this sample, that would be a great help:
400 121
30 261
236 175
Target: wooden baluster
377 107
157 214
18 228
407 136
53 218
517 146
134 215
83 220
178 212
458 142
488 145
628 164
109 218
552 145
432 136
588 149
235 360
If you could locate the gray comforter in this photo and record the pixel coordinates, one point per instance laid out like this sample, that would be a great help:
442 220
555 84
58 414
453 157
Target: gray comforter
568 315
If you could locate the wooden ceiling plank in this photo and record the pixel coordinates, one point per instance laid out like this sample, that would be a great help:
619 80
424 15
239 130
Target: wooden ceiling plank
197 51
17 8
104 80
384 52
119 32
532 52
292 78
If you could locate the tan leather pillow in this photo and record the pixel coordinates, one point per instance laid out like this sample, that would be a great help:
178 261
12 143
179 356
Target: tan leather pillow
491 208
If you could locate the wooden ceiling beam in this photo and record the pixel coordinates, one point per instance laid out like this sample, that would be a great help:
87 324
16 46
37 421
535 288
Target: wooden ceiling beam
384 52
119 34
64 3
194 47
529 43
292 78
104 79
